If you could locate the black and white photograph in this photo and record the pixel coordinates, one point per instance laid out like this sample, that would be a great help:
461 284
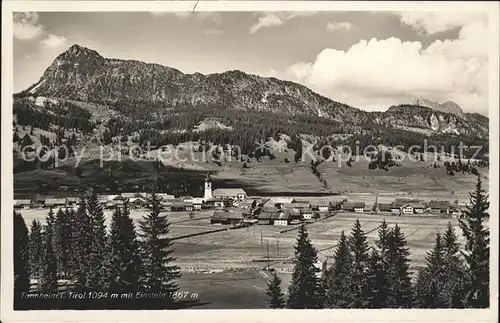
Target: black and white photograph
225 157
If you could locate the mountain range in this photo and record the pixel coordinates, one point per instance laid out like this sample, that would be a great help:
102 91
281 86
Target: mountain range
81 74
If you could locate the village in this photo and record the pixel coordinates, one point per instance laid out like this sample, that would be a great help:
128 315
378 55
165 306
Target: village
232 206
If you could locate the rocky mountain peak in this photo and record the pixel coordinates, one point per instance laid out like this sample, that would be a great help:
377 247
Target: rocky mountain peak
446 107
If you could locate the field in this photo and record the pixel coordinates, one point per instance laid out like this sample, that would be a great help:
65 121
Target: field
259 177
225 266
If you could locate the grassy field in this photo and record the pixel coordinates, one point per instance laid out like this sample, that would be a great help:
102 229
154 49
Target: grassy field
260 177
206 260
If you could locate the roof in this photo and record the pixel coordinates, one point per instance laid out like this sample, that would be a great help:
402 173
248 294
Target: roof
280 200
442 205
72 199
177 204
225 215
265 216
55 201
354 205
128 195
22 202
321 203
414 205
296 205
41 198
302 202
384 206
401 202
228 192
307 210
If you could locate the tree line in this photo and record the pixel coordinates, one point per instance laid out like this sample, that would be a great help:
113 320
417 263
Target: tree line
73 252
378 276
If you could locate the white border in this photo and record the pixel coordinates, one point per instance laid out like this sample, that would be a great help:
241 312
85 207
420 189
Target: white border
198 315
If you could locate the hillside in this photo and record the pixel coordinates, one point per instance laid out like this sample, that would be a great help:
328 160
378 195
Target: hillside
84 101
82 74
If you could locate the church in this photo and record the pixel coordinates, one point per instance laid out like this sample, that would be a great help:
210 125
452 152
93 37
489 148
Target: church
235 194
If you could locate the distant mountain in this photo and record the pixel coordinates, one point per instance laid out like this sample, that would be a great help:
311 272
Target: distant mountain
446 107
82 74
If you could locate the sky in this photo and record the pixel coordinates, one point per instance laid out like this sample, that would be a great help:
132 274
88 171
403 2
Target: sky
369 60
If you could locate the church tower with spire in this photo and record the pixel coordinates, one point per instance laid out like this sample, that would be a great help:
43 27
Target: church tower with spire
208 187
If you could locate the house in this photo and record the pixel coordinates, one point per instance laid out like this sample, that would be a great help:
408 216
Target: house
196 202
71 201
137 202
407 209
217 202
283 218
22 204
189 206
166 197
230 193
265 218
55 202
321 206
307 214
226 217
279 201
178 206
439 207
39 200
385 207
247 204
128 195
357 207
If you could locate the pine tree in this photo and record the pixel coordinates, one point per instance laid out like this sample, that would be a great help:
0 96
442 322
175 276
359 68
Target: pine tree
81 240
360 257
123 265
276 296
376 287
454 269
399 281
338 276
48 279
21 259
429 286
303 291
95 277
36 248
477 249
158 272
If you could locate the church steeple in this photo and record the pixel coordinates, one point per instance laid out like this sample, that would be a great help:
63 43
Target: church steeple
208 187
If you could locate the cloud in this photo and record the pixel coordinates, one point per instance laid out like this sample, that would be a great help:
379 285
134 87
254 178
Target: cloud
334 26
54 41
376 73
270 19
214 16
26 26
438 21
266 21
213 31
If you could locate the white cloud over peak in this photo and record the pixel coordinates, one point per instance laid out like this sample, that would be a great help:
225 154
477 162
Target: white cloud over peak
381 72
26 26
344 25
54 41
439 21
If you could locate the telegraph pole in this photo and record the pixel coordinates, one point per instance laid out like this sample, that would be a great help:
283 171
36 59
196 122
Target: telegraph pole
261 236
267 253
278 245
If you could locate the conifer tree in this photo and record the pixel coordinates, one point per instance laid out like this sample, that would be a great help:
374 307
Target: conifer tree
123 265
95 277
303 291
276 296
81 240
36 248
159 274
477 249
376 287
48 279
429 286
21 259
337 277
360 257
399 281
454 269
